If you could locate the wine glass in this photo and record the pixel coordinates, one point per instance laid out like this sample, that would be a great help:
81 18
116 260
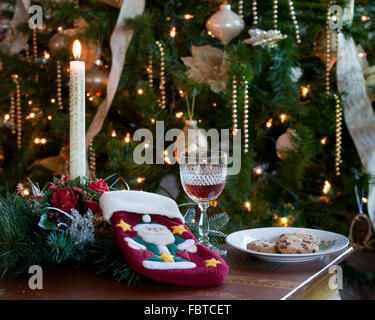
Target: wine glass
203 176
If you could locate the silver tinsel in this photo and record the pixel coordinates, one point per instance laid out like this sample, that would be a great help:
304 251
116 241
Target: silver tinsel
82 227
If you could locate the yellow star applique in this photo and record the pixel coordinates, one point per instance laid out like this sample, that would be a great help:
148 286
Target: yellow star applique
166 257
212 262
124 226
179 229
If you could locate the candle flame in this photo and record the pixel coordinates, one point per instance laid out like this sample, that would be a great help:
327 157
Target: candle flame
77 49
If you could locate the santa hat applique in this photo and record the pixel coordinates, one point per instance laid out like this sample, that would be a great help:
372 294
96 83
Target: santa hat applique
173 255
148 224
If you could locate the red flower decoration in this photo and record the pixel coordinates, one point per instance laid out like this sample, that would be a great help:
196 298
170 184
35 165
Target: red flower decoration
94 207
99 186
53 187
65 199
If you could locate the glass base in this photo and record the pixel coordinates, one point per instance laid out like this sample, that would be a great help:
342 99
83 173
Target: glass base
220 252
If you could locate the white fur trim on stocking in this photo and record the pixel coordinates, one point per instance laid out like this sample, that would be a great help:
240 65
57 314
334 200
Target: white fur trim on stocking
139 202
186 244
156 265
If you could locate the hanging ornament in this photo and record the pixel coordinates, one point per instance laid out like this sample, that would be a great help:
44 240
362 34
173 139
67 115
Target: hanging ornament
321 48
190 139
96 81
246 117
57 164
261 37
208 65
338 159
163 101
60 44
296 73
234 105
225 24
18 111
287 142
59 85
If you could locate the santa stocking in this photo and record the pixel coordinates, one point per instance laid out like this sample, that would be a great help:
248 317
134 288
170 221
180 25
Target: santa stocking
155 242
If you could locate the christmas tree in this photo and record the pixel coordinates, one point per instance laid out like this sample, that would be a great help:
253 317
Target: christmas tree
276 83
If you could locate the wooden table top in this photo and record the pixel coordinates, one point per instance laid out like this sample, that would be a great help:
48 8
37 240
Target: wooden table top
248 279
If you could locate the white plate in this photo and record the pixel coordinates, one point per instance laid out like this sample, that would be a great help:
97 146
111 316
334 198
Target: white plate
331 242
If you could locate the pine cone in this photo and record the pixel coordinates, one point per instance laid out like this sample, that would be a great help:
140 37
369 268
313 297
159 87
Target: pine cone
102 227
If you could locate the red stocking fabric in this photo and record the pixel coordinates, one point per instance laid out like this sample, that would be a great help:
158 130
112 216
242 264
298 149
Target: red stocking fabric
161 247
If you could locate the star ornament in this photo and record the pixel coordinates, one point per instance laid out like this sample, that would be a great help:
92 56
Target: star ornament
212 262
179 229
124 226
166 257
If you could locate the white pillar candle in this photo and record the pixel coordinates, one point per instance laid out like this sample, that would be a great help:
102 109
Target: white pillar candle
77 115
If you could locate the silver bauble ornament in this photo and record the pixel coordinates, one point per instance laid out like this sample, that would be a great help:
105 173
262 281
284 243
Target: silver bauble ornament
286 142
60 44
225 24
190 139
96 81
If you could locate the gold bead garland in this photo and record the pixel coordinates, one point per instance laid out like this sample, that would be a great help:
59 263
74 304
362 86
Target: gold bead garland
59 85
328 51
18 109
35 44
246 117
35 47
150 71
338 159
234 104
254 12
240 8
274 18
92 158
27 53
163 101
12 112
294 20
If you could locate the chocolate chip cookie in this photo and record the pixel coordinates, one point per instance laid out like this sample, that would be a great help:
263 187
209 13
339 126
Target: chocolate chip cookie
297 243
262 246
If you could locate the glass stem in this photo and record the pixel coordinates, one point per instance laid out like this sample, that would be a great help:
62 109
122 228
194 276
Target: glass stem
204 224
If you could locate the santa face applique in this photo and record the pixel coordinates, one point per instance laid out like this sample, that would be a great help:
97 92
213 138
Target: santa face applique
163 243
